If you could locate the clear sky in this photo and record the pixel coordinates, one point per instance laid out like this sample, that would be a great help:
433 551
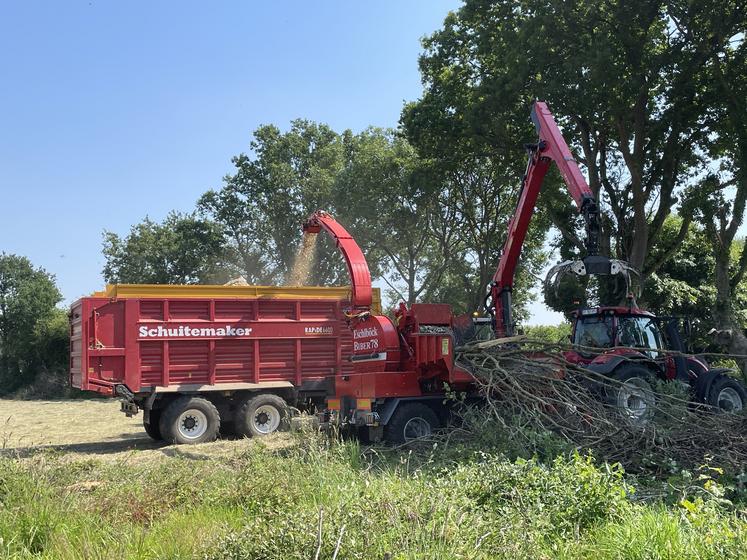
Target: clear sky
113 111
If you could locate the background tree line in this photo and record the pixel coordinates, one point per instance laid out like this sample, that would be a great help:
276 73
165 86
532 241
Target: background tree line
650 95
651 98
33 330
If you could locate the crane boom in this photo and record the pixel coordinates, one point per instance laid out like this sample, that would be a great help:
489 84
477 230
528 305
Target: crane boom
550 147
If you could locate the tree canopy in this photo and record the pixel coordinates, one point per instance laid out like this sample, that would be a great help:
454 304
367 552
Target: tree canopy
28 296
624 80
650 96
182 249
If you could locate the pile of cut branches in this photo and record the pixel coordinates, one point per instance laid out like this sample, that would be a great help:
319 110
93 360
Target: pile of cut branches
529 384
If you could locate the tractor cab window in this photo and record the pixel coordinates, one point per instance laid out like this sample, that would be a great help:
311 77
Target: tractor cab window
594 332
639 332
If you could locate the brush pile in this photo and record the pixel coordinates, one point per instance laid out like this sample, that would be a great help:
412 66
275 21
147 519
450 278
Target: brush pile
530 387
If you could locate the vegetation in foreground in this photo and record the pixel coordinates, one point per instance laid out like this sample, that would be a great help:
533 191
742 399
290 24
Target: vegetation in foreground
445 501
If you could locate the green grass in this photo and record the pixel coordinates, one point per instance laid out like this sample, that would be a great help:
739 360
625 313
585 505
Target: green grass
262 504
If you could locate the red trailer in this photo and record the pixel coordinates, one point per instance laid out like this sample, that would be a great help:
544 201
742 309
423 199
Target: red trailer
195 358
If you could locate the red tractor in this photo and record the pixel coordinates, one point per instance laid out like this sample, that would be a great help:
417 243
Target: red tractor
403 364
626 343
635 347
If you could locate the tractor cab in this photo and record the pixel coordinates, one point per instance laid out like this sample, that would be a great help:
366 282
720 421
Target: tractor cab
633 332
601 331
610 327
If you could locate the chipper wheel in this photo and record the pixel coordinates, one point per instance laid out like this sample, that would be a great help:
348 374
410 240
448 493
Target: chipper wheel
152 427
727 394
190 420
260 415
632 394
411 421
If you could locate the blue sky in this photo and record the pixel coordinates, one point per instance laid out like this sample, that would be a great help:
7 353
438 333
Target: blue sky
113 111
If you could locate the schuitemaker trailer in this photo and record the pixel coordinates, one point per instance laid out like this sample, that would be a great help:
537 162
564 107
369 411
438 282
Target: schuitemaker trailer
195 358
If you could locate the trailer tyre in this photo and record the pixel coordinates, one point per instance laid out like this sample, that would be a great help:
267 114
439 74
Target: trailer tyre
262 415
411 421
153 428
727 394
190 420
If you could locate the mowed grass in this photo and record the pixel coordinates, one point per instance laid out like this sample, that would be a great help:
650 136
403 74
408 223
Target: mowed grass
93 428
30 423
315 496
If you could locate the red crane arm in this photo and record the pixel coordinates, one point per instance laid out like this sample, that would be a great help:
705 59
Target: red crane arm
550 147
360 276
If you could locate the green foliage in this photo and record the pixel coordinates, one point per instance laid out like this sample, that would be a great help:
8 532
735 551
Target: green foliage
52 340
183 249
389 199
549 333
28 297
261 207
378 504
626 82
561 499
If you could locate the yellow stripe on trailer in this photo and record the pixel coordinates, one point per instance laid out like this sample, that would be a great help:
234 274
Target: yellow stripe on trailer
333 404
124 291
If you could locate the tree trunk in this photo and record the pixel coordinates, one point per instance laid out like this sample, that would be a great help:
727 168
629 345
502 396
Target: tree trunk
730 333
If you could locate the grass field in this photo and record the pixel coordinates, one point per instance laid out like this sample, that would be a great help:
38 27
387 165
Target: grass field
89 429
79 480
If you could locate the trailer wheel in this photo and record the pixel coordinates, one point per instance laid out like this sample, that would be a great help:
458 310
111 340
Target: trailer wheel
261 415
152 428
411 421
190 420
727 394
633 395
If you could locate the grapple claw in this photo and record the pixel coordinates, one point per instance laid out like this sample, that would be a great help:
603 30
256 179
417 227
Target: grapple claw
590 266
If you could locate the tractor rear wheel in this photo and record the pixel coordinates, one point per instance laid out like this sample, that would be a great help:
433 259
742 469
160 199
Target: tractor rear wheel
727 394
632 395
411 421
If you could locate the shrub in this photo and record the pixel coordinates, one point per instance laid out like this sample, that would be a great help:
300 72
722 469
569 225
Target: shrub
563 498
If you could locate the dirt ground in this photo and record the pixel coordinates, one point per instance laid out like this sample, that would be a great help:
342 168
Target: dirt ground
94 428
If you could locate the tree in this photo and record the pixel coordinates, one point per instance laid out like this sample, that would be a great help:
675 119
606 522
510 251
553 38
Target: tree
261 207
621 79
720 197
482 194
28 297
476 147
388 199
183 249
52 341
